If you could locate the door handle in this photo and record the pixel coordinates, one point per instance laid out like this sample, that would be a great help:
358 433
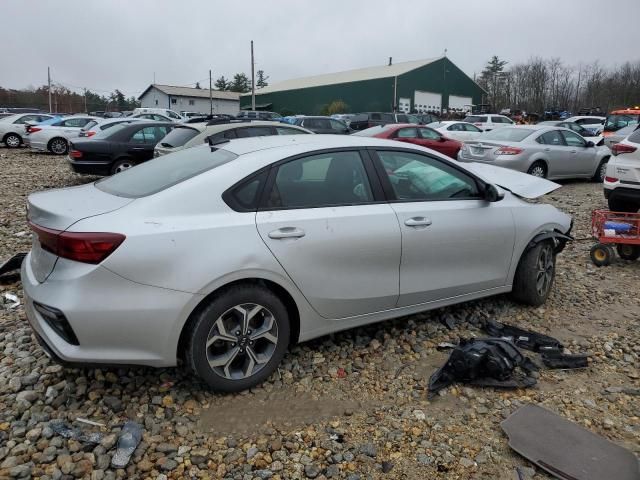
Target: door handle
547 149
287 232
573 151
417 222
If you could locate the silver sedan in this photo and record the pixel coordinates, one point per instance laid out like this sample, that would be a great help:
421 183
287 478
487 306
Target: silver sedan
539 150
225 254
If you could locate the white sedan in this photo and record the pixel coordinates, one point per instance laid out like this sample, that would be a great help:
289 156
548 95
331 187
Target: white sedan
12 127
457 130
55 137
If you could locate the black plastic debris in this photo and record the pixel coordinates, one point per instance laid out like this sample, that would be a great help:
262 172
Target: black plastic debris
14 263
128 440
564 360
65 431
536 342
486 362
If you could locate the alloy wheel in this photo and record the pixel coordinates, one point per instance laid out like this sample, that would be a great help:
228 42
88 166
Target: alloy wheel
242 341
603 171
123 166
537 171
12 141
59 146
544 270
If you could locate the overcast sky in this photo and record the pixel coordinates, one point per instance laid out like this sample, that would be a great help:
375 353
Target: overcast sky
103 45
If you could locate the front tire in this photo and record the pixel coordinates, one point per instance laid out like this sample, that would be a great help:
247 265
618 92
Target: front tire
58 146
238 339
122 165
538 169
12 140
535 275
601 172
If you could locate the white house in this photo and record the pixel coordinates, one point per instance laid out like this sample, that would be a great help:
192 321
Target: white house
188 99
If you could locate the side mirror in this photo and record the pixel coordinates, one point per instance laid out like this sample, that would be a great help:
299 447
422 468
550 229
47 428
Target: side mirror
590 144
442 139
491 193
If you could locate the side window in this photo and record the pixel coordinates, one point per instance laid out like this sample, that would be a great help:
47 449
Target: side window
552 137
288 131
230 134
75 122
150 135
387 117
573 139
246 195
429 134
310 123
324 124
470 128
326 179
375 116
407 133
416 177
260 131
25 119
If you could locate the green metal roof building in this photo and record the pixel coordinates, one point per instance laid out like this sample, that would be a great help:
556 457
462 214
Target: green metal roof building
429 85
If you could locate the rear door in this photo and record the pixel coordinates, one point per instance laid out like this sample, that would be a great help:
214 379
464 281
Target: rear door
143 141
556 151
453 242
324 218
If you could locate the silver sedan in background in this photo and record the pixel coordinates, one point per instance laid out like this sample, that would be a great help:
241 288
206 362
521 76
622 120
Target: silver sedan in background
539 150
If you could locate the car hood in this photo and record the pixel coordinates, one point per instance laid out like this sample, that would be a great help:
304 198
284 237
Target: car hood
520 184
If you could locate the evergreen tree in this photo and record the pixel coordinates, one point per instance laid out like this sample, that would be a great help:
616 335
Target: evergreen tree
240 83
221 84
261 81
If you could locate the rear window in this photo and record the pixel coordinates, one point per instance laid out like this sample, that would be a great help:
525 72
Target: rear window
507 134
110 129
373 131
475 119
634 137
163 172
179 136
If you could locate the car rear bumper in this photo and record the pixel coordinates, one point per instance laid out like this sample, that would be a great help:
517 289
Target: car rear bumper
511 161
623 193
90 168
115 321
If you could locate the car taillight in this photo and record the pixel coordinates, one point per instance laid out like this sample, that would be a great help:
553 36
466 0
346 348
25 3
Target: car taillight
508 151
619 148
90 133
86 247
75 154
33 129
610 179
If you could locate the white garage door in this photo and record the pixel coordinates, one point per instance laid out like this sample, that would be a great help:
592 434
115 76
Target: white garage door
457 103
427 101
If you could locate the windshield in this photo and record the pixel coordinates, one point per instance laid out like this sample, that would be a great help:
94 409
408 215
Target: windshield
507 134
163 172
617 121
110 128
178 137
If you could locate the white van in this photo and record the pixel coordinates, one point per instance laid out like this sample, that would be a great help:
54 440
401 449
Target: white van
175 116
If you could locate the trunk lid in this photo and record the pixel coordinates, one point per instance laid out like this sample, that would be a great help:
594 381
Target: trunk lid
59 209
520 184
482 151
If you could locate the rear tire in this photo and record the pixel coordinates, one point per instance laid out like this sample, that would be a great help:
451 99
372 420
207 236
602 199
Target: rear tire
601 172
122 165
535 275
617 205
58 146
538 169
12 140
239 338
628 252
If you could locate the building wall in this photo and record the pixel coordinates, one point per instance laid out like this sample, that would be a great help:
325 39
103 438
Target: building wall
370 95
373 95
182 104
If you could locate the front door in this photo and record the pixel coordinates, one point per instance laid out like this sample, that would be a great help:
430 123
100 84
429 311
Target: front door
582 159
453 242
337 241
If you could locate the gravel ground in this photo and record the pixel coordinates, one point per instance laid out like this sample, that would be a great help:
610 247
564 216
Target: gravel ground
352 405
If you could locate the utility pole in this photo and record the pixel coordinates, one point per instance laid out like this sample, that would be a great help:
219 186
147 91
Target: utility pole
210 96
85 101
49 82
253 81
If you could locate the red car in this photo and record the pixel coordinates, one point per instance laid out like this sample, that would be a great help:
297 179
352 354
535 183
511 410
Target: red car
418 134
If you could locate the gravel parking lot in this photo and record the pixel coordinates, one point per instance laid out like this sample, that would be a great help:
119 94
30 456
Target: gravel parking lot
352 405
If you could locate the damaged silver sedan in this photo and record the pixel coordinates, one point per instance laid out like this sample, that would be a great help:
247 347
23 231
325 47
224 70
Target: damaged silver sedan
224 255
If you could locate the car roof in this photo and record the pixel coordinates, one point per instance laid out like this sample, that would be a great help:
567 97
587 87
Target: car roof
221 127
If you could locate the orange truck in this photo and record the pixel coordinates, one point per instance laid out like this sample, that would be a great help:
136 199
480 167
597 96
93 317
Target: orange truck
618 119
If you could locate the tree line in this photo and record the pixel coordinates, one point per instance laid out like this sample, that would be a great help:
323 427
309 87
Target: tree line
540 85
64 100
241 83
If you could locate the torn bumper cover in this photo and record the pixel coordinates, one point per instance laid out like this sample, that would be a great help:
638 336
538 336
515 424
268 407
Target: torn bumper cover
559 239
485 362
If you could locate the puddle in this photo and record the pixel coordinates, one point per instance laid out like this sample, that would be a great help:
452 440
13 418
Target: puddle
249 413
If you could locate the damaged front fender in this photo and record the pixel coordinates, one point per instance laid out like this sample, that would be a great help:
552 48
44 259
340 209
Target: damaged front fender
559 239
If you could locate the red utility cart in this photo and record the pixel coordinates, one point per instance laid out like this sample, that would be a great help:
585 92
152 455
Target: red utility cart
618 229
